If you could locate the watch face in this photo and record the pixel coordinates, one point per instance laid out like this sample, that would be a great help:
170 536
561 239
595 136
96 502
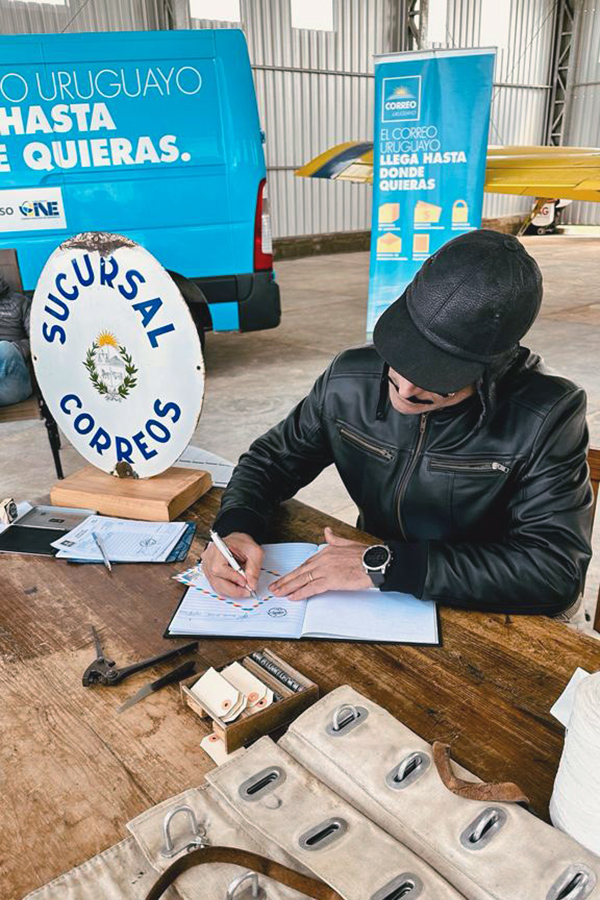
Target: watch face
376 556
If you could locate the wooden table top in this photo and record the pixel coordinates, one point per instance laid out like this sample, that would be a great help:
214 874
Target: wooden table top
73 772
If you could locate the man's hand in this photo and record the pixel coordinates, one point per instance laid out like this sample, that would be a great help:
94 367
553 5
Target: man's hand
338 567
225 580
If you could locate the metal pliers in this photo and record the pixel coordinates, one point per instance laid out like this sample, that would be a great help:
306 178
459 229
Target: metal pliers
105 671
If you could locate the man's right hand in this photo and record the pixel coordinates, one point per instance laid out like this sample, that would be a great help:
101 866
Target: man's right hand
225 580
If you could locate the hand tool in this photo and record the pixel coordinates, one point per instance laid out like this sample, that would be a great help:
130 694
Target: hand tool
175 675
105 671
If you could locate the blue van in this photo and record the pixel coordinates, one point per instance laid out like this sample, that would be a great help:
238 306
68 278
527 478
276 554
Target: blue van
153 135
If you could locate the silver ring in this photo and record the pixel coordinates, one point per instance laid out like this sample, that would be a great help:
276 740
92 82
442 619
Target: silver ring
311 577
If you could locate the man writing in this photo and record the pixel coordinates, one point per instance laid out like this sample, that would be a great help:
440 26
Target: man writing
462 451
15 308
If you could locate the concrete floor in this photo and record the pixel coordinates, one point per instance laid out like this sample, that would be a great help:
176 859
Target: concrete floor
254 379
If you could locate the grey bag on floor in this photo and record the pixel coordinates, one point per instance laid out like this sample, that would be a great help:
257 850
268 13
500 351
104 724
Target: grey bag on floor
487 850
289 807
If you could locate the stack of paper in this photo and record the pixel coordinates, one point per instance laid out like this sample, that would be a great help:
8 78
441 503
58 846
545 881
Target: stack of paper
125 540
196 458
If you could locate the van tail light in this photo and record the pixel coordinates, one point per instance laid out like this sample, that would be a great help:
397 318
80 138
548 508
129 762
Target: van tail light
263 240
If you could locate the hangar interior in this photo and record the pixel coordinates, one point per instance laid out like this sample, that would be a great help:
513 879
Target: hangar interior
314 73
214 688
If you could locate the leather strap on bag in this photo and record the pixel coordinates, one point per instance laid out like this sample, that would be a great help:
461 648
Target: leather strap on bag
317 890
505 792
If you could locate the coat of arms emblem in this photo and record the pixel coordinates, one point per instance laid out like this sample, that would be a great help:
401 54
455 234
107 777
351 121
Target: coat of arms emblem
110 367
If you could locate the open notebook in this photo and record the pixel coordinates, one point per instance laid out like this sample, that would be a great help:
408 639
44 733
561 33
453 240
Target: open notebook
366 615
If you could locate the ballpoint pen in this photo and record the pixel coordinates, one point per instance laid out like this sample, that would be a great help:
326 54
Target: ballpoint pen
226 552
102 549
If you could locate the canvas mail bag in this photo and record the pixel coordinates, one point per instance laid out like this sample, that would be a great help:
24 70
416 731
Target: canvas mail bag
263 815
278 798
194 820
489 849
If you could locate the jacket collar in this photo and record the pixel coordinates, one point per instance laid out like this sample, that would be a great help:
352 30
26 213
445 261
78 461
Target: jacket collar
484 401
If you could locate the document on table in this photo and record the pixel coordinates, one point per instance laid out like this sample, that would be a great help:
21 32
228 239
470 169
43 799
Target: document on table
219 467
365 615
125 540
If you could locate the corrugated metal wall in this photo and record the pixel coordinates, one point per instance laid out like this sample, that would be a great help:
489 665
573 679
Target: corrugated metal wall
24 17
330 108
583 112
315 88
521 86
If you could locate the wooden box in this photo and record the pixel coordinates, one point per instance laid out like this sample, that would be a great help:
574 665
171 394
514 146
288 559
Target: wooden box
249 726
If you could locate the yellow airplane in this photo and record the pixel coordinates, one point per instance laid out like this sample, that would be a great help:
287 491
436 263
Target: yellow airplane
549 173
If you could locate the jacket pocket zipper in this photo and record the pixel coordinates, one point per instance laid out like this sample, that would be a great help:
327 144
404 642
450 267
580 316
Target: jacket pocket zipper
469 467
365 445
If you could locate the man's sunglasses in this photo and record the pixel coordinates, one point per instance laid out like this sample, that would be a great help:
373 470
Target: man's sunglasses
439 393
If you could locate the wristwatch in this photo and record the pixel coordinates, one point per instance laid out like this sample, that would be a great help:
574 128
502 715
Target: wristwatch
376 560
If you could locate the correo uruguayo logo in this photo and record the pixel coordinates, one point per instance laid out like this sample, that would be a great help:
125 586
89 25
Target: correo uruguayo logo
402 99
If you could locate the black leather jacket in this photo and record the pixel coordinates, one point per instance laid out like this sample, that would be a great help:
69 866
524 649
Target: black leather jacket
490 513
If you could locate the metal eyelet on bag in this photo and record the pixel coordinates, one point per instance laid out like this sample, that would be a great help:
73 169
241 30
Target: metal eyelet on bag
324 834
262 783
480 832
407 886
575 883
198 833
341 724
252 890
407 771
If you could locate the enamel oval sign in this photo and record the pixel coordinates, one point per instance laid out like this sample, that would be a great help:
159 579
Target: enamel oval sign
116 354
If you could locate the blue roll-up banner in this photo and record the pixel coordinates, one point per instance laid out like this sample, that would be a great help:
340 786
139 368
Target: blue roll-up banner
432 113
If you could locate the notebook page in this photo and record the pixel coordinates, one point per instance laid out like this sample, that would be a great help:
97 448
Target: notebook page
202 611
371 615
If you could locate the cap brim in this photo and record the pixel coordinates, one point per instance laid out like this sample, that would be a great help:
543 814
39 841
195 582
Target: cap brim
404 348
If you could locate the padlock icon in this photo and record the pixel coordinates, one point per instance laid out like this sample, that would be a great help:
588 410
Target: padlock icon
460 212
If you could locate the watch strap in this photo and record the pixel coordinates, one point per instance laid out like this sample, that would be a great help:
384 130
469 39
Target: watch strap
377 578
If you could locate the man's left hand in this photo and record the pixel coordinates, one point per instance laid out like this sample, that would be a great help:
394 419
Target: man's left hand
337 567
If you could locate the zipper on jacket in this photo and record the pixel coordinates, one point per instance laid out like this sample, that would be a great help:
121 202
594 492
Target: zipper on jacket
469 466
365 444
409 470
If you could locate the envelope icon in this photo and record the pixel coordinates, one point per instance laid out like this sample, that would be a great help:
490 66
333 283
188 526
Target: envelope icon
388 213
421 243
389 243
427 212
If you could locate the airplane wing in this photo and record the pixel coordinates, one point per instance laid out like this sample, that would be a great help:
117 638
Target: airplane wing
569 173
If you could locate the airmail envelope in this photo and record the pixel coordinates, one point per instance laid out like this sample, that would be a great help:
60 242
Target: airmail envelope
388 213
389 243
427 212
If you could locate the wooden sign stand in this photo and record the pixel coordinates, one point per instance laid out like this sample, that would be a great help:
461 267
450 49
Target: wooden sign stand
158 499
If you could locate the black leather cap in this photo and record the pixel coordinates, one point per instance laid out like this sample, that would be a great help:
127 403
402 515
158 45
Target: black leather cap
469 304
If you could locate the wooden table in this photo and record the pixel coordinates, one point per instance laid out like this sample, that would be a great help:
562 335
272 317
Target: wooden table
73 772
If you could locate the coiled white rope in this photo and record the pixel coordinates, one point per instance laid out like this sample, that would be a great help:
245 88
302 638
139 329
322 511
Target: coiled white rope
575 803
